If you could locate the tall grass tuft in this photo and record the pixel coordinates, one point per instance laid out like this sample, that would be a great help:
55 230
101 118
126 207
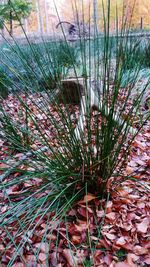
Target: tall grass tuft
54 168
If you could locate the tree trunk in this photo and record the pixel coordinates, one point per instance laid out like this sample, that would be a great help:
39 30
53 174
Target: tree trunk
40 20
10 19
46 17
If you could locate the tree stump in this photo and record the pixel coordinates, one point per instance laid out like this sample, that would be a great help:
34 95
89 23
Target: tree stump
70 91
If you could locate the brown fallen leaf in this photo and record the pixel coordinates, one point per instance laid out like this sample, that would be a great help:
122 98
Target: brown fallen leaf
129 170
103 243
109 236
100 213
132 258
109 206
2 248
87 198
18 264
123 264
147 260
111 216
30 258
42 257
81 227
108 259
143 226
121 241
71 260
76 239
4 165
53 259
44 247
138 250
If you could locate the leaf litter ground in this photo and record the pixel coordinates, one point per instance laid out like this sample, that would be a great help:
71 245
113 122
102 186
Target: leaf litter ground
95 232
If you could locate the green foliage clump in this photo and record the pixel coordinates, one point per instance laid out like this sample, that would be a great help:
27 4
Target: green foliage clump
14 10
136 52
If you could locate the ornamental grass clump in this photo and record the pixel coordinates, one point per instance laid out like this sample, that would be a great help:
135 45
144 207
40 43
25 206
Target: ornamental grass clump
55 168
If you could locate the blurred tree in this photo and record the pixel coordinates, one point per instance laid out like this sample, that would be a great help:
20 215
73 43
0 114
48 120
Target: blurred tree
14 10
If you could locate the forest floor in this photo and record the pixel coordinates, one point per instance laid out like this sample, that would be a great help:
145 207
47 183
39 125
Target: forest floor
124 239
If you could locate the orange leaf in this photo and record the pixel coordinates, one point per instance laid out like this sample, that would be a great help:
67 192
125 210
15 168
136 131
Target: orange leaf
87 198
76 239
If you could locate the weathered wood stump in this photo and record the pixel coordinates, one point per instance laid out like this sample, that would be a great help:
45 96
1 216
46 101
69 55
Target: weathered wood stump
70 91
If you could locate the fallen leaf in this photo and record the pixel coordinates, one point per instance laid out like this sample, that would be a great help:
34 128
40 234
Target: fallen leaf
122 264
100 213
87 198
147 260
111 216
44 247
120 241
30 258
131 258
76 239
110 236
138 250
2 248
108 259
143 226
18 264
69 257
109 206
42 257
